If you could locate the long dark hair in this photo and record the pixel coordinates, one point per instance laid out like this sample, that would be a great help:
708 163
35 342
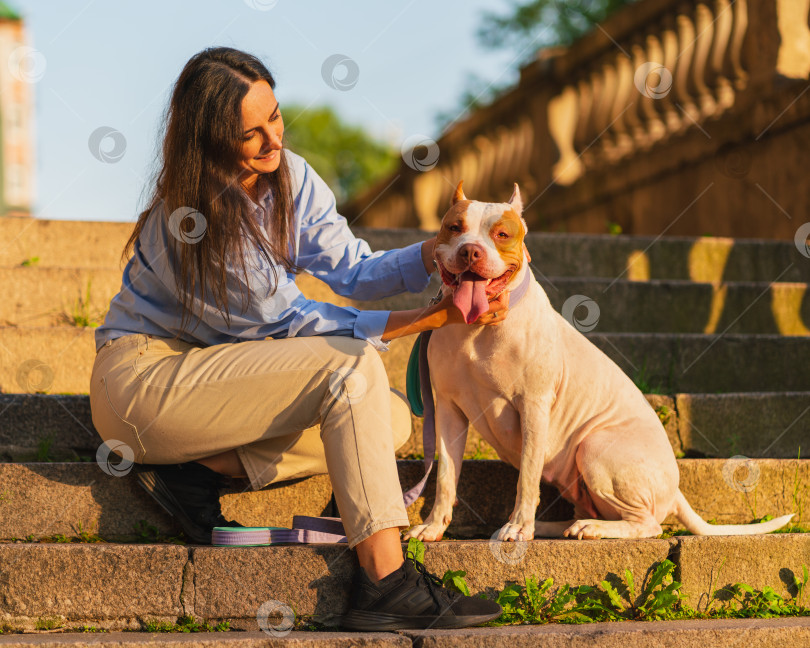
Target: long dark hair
199 171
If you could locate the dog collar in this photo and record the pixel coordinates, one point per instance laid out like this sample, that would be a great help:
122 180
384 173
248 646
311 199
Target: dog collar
517 294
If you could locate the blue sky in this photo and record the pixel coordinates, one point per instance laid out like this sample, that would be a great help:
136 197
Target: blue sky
111 63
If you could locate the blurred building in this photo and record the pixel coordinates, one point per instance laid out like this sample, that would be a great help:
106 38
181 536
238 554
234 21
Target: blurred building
18 63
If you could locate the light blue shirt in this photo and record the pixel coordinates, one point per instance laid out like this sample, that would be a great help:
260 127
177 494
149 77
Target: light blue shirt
324 246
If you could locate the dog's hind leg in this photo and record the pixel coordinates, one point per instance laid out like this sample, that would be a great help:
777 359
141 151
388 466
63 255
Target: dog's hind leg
451 437
632 478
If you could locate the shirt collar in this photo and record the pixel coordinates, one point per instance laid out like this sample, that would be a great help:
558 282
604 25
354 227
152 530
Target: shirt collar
263 190
265 197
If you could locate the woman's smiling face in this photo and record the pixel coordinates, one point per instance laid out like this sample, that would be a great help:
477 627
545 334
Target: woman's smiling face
262 130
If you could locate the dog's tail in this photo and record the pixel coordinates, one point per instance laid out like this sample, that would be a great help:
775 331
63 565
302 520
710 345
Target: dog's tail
697 525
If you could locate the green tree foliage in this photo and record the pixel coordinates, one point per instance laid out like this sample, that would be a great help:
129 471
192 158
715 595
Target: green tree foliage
526 27
344 155
532 24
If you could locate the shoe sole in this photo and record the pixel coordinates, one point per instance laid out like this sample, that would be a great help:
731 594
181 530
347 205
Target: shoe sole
157 489
374 621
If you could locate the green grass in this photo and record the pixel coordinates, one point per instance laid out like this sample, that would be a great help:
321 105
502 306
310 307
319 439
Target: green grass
642 380
47 623
148 533
86 628
44 448
664 414
623 599
32 261
186 624
80 313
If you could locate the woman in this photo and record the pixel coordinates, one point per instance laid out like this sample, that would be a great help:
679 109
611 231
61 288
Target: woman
266 384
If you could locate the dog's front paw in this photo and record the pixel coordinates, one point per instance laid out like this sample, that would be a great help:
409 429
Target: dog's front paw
585 530
516 532
426 532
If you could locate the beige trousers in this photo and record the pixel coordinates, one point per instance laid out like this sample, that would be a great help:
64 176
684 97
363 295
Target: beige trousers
289 407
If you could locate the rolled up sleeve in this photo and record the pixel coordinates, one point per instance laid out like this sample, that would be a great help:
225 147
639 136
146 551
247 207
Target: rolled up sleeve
328 250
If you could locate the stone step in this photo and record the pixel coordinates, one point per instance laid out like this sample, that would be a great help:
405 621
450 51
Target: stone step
714 633
60 360
53 296
46 499
670 363
751 633
117 585
53 243
40 427
239 639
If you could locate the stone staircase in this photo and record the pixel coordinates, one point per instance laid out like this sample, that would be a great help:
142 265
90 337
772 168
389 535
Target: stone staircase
713 330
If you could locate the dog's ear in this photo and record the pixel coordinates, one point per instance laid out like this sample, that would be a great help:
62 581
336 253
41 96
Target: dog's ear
516 202
459 194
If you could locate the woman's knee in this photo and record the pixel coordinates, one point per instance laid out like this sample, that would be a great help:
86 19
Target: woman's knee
401 426
357 371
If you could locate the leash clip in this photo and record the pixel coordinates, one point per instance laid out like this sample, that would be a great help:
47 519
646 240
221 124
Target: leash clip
435 300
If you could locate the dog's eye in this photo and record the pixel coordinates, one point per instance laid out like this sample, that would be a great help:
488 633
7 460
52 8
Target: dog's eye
502 235
454 228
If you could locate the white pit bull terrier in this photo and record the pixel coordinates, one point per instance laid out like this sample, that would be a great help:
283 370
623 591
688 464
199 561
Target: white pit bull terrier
548 400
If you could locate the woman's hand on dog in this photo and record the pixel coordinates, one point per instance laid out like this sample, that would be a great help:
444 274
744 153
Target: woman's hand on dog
498 309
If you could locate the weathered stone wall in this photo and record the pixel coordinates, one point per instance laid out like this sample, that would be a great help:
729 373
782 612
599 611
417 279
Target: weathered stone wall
673 117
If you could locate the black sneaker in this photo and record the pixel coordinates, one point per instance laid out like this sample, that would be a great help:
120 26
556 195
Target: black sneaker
412 598
189 492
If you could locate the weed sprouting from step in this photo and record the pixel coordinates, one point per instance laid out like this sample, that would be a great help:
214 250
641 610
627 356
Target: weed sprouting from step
617 599
483 451
44 448
49 623
186 624
664 414
86 628
30 262
148 533
642 380
80 313
534 603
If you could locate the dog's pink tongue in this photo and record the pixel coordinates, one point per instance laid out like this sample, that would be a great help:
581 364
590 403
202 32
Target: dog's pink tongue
471 296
